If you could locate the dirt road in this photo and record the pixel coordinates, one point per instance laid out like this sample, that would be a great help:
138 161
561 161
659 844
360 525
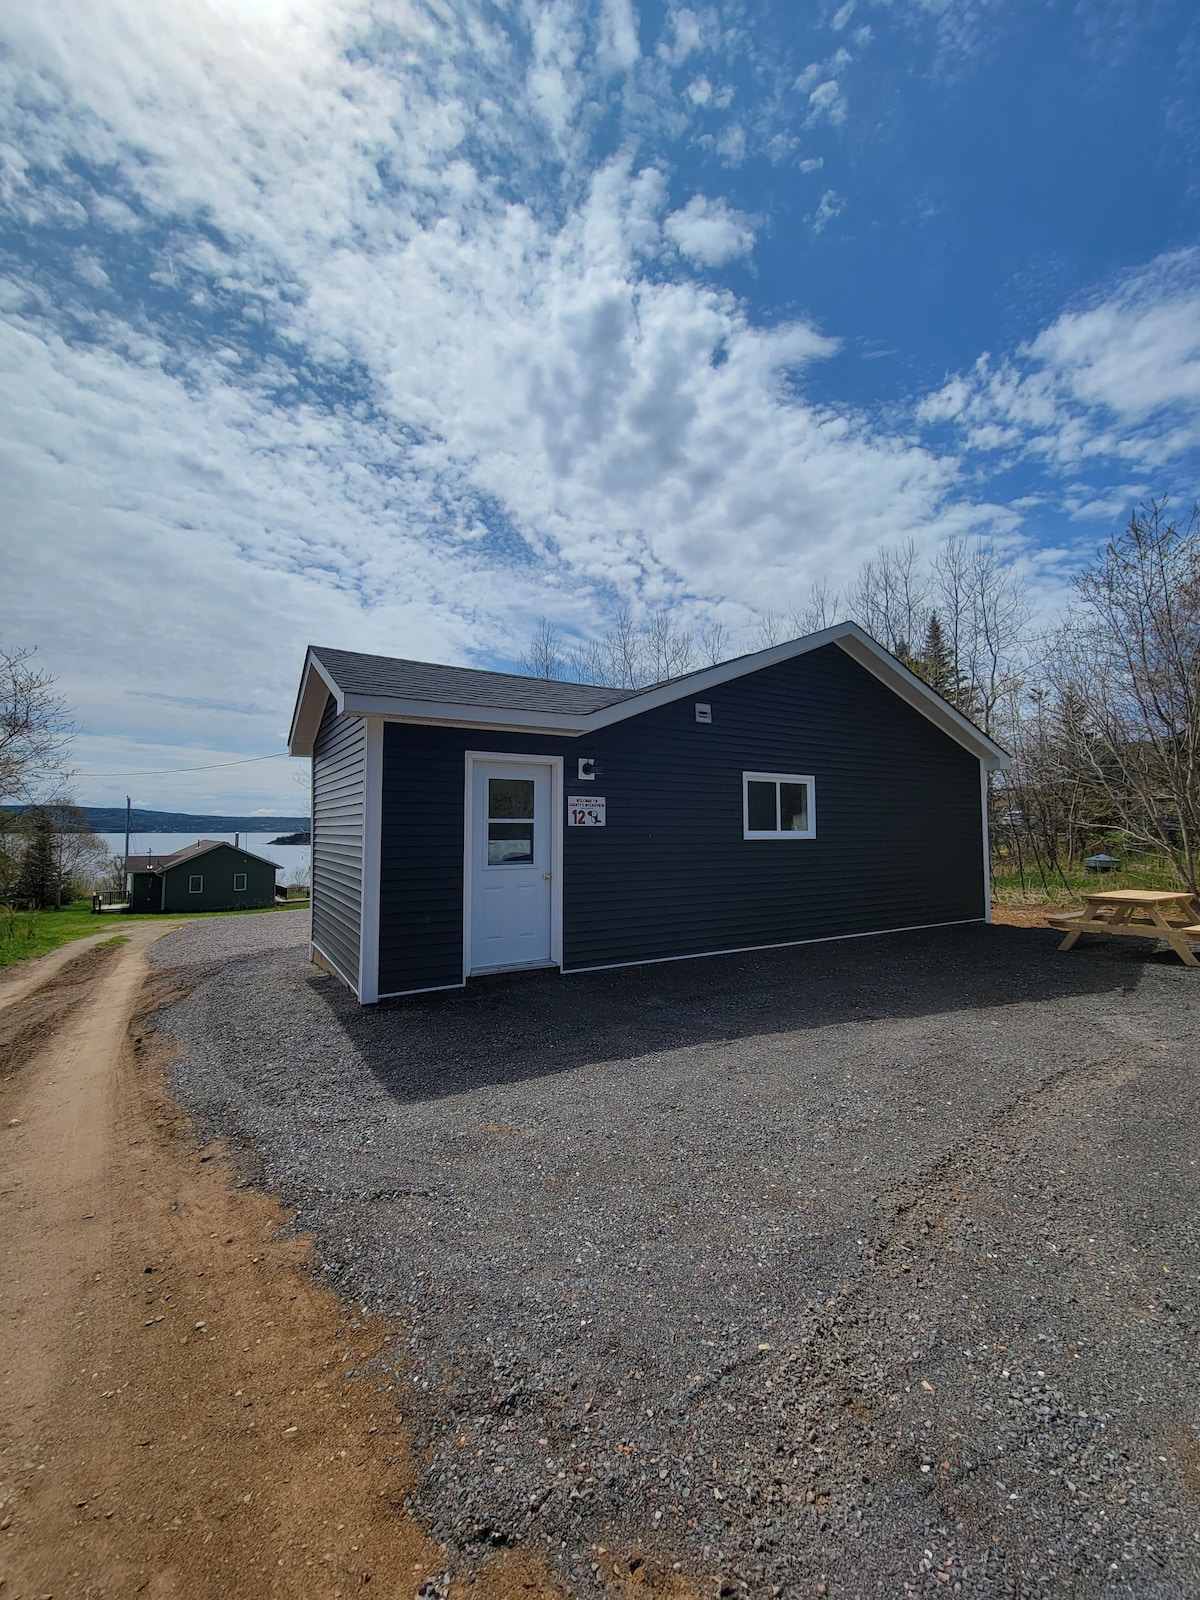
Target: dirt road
183 1410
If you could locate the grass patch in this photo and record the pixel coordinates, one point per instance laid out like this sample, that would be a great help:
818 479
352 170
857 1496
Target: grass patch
107 944
25 934
1066 886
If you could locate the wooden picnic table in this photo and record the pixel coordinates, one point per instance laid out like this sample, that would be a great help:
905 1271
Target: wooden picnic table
1139 914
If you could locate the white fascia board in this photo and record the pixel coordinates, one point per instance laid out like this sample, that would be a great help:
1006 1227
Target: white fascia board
862 648
441 713
315 688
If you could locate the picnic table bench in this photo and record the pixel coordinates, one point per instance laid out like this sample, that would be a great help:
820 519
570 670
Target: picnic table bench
1138 914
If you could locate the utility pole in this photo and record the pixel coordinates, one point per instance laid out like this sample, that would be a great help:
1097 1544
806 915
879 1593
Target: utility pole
128 820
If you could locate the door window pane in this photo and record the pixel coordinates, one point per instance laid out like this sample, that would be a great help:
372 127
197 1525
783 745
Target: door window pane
760 807
793 807
510 798
509 843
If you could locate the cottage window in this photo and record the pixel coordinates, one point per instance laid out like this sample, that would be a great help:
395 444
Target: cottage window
239 882
778 805
196 883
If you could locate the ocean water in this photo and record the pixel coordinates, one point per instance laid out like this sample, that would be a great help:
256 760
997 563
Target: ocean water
287 856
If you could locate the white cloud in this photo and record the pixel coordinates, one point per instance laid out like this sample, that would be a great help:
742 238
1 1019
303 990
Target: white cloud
363 347
730 144
827 103
688 35
1119 378
709 231
618 48
1082 504
831 205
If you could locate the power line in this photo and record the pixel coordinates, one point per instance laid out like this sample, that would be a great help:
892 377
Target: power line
168 772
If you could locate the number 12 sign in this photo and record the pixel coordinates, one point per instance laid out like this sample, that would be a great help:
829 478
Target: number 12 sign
585 811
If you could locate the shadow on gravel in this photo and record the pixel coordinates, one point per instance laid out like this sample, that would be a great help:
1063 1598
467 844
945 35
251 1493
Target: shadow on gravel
517 1028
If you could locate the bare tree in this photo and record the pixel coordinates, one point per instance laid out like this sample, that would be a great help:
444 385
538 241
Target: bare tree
616 658
302 778
669 650
985 611
628 655
714 643
545 658
820 610
1046 808
770 630
1130 653
35 729
890 598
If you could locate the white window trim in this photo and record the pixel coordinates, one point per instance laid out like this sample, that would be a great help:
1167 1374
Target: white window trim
779 777
240 888
195 883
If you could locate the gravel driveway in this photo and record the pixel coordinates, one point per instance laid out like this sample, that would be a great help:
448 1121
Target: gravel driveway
869 1265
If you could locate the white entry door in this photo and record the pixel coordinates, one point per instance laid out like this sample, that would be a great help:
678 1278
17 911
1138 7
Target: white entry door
512 856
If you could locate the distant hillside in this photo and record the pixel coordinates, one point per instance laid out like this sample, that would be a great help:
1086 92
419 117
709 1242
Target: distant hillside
111 819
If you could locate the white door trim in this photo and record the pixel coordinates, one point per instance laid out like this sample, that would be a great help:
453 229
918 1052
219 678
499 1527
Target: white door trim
555 764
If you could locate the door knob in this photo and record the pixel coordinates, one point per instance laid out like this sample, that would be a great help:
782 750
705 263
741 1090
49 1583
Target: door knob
547 876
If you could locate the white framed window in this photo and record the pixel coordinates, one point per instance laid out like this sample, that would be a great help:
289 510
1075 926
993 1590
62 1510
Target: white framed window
778 805
196 883
239 882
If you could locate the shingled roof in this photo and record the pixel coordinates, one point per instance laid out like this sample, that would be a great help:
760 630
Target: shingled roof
355 673
161 863
400 690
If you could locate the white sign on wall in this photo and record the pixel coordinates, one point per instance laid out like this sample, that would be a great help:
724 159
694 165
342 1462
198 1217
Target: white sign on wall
585 811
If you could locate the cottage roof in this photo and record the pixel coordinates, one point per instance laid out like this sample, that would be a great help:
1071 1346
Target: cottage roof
162 863
426 680
421 691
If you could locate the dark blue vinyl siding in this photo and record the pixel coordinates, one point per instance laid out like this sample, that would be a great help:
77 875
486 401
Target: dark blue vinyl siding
339 755
899 828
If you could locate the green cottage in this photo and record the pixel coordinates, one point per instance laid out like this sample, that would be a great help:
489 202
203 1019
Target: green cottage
209 875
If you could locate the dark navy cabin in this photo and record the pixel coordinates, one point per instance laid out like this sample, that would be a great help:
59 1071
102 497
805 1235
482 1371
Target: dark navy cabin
471 822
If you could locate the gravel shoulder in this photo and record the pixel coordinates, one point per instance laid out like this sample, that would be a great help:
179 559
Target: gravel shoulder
867 1265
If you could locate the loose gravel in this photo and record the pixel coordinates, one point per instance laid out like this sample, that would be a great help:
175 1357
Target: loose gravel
212 940
851 1269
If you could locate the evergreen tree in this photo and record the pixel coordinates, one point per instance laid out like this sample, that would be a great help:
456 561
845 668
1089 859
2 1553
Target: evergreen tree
937 666
939 671
38 882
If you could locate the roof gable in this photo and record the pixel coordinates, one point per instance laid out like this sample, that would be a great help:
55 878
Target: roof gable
415 691
192 852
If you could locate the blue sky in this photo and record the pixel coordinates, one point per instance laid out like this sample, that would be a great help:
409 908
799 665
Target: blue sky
397 326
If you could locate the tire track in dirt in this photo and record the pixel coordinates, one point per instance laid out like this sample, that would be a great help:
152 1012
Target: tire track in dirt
184 1410
32 1013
